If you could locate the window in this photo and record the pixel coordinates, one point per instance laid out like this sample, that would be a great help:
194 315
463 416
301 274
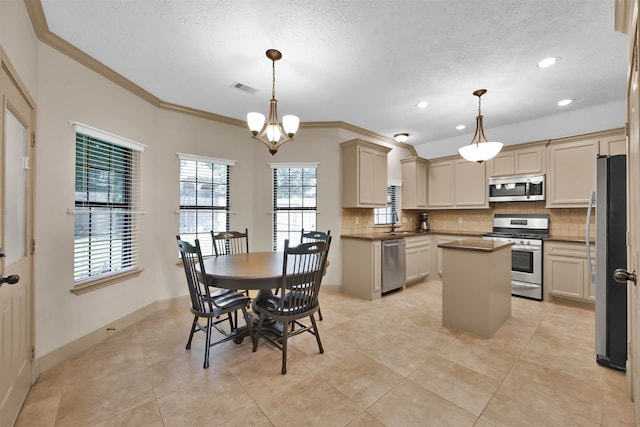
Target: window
204 199
106 204
384 216
294 201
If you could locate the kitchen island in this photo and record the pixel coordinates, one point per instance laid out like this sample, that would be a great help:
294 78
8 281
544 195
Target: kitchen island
476 285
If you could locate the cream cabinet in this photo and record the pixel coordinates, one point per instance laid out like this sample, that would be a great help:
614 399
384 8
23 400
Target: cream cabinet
440 184
571 166
418 256
470 185
566 271
613 145
571 174
457 183
361 268
414 183
364 174
518 161
439 239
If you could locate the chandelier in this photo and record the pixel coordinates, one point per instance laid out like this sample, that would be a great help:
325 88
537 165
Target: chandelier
480 149
273 133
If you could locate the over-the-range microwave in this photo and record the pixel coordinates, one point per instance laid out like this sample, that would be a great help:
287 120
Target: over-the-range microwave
516 188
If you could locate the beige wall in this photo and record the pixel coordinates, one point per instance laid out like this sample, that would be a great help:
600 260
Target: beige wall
65 90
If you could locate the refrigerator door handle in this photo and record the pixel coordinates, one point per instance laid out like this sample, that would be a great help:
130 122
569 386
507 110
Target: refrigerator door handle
592 274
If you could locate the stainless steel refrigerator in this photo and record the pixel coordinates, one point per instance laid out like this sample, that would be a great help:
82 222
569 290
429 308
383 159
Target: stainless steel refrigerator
611 253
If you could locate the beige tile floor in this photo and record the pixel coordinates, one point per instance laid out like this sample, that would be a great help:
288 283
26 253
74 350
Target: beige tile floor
386 363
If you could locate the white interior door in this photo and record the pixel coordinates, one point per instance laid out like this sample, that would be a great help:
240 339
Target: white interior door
633 100
16 299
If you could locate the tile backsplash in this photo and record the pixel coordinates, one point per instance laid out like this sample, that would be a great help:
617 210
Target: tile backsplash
565 222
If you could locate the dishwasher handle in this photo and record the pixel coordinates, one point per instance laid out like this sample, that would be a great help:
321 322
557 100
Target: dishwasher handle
393 242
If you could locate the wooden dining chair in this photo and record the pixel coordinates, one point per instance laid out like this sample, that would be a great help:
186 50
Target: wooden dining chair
212 307
302 272
312 236
230 243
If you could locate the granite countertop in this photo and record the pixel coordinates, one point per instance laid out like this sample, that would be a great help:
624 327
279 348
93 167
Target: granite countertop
568 239
401 234
476 245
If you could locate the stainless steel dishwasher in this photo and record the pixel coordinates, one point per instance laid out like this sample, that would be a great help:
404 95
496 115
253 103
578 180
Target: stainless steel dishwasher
394 270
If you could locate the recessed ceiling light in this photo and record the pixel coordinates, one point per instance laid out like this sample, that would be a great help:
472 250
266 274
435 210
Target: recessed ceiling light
564 102
460 127
422 104
548 62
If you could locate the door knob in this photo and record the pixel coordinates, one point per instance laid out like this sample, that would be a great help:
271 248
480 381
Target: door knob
12 280
622 276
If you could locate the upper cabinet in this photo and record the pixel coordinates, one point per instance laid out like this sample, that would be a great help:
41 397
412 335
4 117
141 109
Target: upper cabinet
519 160
364 174
414 183
613 145
571 170
457 183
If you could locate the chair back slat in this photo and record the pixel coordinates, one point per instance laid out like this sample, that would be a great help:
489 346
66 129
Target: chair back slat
302 272
314 236
196 281
230 242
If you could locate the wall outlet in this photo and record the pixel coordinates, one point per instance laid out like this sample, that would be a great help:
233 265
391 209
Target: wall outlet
460 221
357 220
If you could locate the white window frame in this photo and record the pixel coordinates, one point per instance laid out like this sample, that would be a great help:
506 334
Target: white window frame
201 211
384 216
122 216
307 215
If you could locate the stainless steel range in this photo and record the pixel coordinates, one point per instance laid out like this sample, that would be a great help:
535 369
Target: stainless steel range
527 231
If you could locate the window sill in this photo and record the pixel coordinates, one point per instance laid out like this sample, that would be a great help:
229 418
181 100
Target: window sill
104 281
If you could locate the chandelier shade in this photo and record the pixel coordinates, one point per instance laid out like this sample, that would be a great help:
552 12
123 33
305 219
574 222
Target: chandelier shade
480 150
273 133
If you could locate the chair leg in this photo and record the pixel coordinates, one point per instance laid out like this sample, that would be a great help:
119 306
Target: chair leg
316 333
257 333
319 313
285 335
207 344
193 330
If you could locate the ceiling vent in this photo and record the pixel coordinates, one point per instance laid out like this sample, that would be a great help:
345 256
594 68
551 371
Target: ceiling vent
244 87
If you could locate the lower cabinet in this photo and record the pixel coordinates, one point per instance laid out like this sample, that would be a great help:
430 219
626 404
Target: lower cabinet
418 253
566 272
439 239
361 272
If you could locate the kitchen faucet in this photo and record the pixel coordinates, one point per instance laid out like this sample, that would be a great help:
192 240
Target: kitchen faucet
394 220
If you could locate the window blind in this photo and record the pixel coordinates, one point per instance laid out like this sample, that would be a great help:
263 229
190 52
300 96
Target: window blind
205 194
294 201
106 207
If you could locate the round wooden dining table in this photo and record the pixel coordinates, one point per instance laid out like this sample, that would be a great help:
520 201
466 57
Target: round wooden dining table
260 271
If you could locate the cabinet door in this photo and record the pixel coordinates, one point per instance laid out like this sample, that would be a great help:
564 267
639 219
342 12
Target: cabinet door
613 145
566 276
502 164
528 161
413 263
470 185
571 174
440 184
367 173
421 185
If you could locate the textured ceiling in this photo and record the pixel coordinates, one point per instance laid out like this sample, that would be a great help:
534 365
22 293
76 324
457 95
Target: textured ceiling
367 63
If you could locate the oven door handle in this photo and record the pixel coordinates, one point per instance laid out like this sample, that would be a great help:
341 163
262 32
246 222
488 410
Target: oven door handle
526 248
